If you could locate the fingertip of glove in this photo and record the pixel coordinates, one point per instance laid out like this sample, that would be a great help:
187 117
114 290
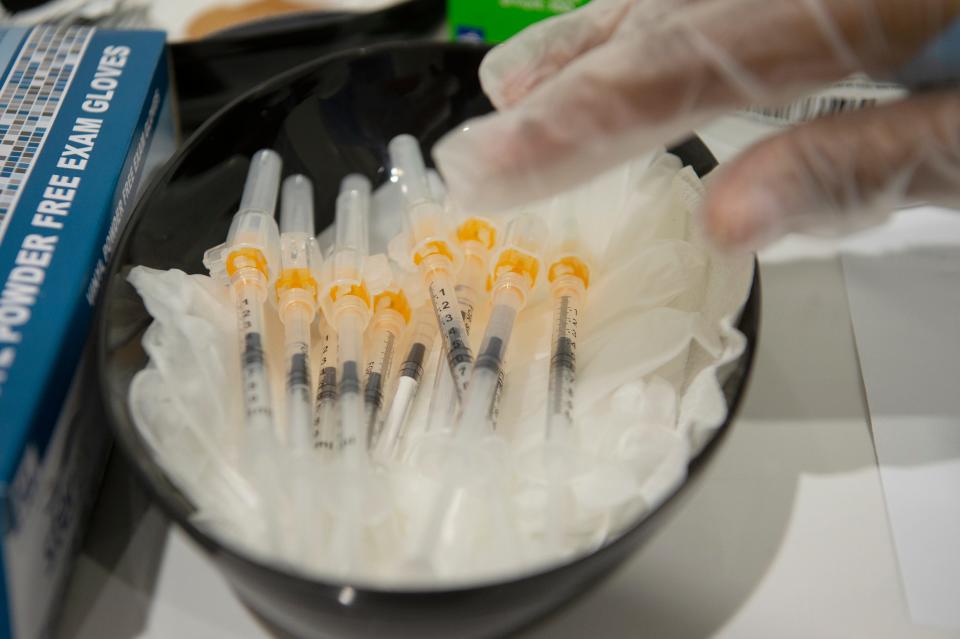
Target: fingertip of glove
491 75
506 77
741 215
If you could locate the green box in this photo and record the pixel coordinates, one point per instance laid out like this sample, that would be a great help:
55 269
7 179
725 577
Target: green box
498 20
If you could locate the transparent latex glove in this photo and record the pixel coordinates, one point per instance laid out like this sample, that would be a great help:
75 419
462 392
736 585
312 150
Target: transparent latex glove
586 91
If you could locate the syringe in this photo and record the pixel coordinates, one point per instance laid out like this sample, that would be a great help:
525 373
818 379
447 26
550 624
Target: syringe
476 237
248 262
433 253
326 426
297 291
468 458
513 276
346 303
424 328
569 277
391 314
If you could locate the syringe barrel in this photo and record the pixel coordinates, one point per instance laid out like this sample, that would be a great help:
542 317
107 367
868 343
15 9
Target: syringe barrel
424 326
496 338
350 323
397 416
263 183
296 323
436 270
408 382
568 293
248 297
384 335
326 427
475 418
296 207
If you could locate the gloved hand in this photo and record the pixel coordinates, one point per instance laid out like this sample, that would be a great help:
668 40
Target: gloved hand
583 92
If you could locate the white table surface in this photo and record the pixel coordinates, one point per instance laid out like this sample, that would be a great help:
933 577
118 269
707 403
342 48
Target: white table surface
787 536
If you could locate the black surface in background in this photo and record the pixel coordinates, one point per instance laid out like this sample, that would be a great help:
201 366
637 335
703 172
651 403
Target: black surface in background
21 5
211 72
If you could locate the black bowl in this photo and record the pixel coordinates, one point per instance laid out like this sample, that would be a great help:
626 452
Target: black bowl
328 119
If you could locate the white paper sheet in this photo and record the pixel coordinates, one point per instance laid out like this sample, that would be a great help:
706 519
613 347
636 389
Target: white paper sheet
903 282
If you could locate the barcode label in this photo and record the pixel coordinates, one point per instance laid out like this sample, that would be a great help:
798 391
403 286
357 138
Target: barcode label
812 107
853 94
